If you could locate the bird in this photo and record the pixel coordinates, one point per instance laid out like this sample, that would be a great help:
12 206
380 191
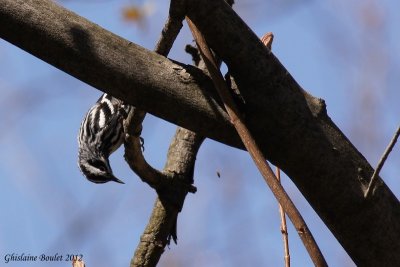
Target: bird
101 133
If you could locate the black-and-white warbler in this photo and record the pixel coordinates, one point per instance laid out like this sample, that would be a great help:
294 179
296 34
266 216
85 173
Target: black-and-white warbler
100 134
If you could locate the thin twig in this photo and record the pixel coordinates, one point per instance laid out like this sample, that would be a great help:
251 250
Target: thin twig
284 230
267 39
374 177
254 151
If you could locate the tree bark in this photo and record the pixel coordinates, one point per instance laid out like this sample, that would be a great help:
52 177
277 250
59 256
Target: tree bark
180 167
115 65
291 127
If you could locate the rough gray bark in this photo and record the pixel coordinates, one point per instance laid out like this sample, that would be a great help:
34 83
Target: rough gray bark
291 127
179 168
250 144
173 184
115 65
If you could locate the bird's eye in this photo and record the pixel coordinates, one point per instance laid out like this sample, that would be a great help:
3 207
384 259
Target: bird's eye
99 165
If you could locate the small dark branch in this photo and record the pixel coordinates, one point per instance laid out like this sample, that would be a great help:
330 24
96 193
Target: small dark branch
284 230
171 28
255 152
375 175
191 50
168 35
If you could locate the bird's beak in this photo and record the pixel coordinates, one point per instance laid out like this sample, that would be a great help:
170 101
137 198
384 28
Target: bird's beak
115 179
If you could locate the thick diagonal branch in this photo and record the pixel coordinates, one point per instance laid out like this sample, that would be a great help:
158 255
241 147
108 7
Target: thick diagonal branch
291 127
253 149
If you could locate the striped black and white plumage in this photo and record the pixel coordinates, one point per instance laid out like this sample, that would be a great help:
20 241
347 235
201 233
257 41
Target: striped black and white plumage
100 134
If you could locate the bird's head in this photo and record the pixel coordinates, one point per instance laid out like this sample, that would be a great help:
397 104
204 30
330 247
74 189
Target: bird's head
96 168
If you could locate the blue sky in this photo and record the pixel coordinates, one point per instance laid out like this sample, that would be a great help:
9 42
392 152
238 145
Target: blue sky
342 51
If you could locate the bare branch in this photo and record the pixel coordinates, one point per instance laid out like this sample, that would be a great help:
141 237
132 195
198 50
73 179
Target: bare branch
133 150
176 180
133 123
180 165
115 65
284 229
267 39
291 127
255 152
375 175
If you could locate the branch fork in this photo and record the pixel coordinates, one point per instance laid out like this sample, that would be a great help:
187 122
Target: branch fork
176 180
252 147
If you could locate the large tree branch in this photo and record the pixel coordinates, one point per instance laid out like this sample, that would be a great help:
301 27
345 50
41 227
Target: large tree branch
291 127
254 151
296 134
115 65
